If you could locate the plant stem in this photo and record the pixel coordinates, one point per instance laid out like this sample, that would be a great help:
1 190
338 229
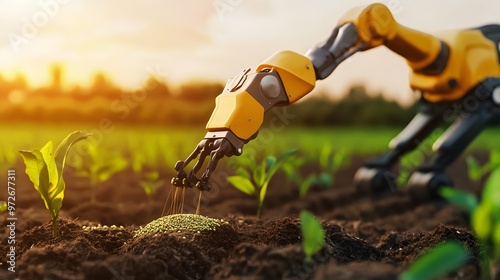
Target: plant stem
55 228
259 210
485 261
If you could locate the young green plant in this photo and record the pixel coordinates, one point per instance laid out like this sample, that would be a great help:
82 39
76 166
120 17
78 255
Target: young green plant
253 179
476 171
330 162
151 183
292 171
437 262
98 168
313 234
485 216
45 170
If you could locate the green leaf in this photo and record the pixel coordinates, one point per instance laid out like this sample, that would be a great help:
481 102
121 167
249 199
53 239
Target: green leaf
240 171
64 147
324 157
150 187
152 176
495 159
103 172
259 175
243 184
437 262
474 168
305 185
243 172
262 194
482 221
313 235
48 157
36 169
325 179
291 169
282 159
496 242
492 188
3 206
59 160
339 160
138 162
270 162
460 198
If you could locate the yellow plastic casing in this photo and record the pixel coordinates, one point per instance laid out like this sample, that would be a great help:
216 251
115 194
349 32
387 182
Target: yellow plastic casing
296 72
242 114
376 26
238 112
472 59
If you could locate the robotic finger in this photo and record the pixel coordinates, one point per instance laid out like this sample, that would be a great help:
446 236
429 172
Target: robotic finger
213 148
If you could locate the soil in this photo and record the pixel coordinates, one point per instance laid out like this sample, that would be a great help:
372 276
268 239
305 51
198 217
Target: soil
366 238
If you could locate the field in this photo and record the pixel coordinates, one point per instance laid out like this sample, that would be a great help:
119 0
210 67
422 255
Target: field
365 238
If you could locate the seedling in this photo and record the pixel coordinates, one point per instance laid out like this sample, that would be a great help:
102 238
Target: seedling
253 179
45 169
99 168
485 216
330 162
476 171
437 262
313 235
181 223
151 183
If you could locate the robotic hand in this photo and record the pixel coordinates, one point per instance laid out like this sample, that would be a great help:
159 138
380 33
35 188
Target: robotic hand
445 70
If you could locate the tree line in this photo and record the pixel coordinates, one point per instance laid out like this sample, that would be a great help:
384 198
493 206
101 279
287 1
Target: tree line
156 102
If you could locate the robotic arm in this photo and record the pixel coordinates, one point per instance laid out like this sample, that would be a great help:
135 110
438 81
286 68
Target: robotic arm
286 77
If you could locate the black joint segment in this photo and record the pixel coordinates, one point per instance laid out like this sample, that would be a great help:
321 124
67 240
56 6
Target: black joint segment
439 64
203 185
236 142
335 50
178 165
492 32
323 62
192 182
384 162
375 182
425 186
176 181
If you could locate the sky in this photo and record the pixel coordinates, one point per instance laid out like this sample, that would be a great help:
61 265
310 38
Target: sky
189 40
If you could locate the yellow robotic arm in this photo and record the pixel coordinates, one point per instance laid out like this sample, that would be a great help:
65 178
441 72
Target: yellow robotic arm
444 68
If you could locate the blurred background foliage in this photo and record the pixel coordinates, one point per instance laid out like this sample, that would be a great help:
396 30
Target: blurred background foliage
157 102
